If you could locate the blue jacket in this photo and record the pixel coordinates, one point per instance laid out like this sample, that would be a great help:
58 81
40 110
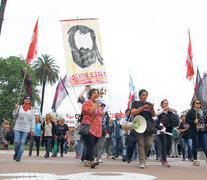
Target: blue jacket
117 131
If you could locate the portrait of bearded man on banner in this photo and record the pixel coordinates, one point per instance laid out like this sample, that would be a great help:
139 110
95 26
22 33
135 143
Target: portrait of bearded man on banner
82 41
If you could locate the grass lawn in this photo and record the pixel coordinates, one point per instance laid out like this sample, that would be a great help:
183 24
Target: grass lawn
26 147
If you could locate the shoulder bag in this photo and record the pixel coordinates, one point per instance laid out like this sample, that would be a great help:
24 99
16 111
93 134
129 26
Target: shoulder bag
84 128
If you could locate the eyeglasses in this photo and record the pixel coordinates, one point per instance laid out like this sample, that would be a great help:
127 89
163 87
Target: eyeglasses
27 98
198 103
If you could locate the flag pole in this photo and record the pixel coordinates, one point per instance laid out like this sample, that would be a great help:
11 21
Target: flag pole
195 102
30 55
76 97
22 84
68 95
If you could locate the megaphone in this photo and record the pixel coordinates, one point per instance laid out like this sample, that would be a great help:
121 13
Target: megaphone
139 124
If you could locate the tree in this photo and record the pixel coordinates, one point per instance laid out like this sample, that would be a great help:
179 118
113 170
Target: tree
46 72
10 85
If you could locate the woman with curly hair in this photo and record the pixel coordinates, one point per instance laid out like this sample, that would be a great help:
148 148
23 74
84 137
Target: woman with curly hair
92 114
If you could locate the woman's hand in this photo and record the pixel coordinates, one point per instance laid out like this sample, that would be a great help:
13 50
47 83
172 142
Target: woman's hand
196 121
173 110
32 133
147 106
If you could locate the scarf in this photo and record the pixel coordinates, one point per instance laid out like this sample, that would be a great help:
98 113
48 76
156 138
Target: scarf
26 107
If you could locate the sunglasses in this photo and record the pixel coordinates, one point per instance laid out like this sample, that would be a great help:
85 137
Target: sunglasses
28 98
198 103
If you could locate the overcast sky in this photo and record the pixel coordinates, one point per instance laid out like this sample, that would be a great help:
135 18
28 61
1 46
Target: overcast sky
148 38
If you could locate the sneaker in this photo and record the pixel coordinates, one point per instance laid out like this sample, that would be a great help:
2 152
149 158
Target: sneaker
79 156
142 166
94 163
183 159
18 159
86 163
166 164
46 156
54 155
61 155
191 159
113 157
162 162
100 161
129 160
124 159
117 157
76 156
14 157
82 158
196 163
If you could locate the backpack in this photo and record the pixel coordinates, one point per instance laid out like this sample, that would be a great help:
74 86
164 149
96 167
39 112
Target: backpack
173 119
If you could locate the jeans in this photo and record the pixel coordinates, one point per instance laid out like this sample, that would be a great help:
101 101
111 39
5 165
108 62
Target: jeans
108 145
65 146
134 156
78 147
124 145
189 143
132 146
99 147
158 147
174 147
60 142
19 142
48 141
117 142
202 137
31 144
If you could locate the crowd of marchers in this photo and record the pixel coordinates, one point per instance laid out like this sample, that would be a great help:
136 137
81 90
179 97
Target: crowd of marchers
166 135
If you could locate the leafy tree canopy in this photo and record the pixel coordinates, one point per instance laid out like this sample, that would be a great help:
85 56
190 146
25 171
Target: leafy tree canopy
10 85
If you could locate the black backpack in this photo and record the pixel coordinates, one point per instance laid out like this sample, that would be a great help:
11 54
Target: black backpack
173 119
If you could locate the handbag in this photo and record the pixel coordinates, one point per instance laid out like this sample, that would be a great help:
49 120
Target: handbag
84 128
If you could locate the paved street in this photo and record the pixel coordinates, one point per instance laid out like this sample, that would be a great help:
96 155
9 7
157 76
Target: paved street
68 167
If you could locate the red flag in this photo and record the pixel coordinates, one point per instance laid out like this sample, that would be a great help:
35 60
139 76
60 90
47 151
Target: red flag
189 61
32 53
121 114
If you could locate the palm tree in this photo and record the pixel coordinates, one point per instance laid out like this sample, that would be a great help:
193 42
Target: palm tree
46 72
